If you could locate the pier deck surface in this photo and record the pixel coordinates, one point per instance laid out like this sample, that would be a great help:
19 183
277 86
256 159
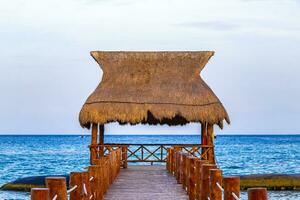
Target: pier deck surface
140 182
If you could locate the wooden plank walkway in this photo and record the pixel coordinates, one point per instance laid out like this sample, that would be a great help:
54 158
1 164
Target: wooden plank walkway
145 183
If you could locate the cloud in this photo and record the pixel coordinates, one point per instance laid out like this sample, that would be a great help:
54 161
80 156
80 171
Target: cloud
213 25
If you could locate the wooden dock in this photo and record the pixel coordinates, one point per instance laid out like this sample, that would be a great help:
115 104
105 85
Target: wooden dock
145 182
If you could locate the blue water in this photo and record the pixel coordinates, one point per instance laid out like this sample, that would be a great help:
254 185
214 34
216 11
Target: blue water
22 156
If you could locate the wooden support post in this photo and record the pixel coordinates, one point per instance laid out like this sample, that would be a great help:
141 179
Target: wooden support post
172 166
205 180
204 139
101 140
76 179
168 160
257 194
215 177
184 161
210 141
180 181
182 176
40 194
57 186
178 166
86 184
231 185
187 173
199 164
124 156
96 186
192 185
93 146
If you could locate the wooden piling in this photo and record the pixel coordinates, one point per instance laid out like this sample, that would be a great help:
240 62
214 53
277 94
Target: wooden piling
93 146
257 194
210 141
96 186
178 166
76 179
124 156
184 160
57 186
192 179
172 162
205 180
40 194
86 183
231 185
101 140
187 173
168 160
199 164
215 177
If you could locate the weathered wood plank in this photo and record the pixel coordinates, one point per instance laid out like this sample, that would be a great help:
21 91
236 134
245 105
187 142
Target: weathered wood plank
145 182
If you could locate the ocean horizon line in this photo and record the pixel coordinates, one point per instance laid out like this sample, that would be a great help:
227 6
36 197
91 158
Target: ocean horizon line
147 134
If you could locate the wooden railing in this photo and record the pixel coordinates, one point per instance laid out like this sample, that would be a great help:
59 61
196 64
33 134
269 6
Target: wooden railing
89 185
203 180
149 153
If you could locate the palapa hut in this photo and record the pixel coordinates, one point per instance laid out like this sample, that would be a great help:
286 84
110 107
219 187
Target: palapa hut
152 88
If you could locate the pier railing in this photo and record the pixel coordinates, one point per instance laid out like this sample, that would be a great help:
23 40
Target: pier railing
203 180
149 153
88 185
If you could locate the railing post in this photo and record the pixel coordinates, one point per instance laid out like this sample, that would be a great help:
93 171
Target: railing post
205 180
76 179
86 184
192 185
40 194
172 166
180 181
178 166
184 162
93 146
231 185
215 177
168 160
257 194
124 156
57 186
199 164
187 173
95 171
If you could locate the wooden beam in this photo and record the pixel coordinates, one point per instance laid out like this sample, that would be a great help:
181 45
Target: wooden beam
204 138
94 133
101 139
210 141
93 146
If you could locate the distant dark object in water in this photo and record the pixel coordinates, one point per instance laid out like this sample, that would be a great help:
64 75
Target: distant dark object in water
25 184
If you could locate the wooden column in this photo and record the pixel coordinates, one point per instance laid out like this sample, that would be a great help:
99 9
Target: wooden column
57 186
101 140
210 141
192 185
93 146
124 156
204 138
257 194
40 193
231 185
215 177
205 180
198 165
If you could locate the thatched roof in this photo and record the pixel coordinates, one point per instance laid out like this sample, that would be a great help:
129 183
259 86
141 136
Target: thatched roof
153 88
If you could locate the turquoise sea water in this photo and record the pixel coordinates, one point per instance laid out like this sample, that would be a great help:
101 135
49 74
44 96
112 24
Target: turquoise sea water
22 156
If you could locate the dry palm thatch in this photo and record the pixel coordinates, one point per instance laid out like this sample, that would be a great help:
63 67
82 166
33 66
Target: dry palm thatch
153 88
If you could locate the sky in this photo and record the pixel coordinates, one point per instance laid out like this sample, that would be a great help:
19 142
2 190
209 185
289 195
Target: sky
46 72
